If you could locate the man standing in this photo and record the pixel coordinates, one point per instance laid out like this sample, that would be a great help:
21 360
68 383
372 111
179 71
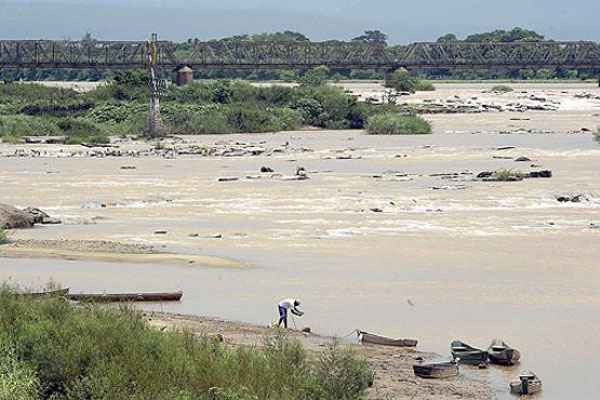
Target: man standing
291 305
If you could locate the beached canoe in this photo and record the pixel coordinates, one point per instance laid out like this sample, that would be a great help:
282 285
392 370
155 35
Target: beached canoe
526 383
49 293
370 338
501 353
436 370
125 297
468 354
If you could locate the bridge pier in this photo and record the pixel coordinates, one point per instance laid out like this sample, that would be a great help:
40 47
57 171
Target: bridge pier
185 75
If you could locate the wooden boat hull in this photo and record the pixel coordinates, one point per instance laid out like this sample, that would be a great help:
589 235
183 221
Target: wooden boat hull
468 354
501 353
532 387
51 293
126 297
436 370
370 338
504 357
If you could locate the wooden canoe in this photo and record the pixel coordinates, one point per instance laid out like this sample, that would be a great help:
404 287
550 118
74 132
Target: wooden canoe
370 338
501 353
50 293
527 383
436 370
468 354
126 297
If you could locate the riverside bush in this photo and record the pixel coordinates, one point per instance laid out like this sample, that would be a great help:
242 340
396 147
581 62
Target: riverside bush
403 81
3 236
94 352
397 124
24 125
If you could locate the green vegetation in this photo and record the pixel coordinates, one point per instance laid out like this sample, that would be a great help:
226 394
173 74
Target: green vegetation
374 36
508 175
502 89
50 349
403 81
3 240
502 36
398 124
209 107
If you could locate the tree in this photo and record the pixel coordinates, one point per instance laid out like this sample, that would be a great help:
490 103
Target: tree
402 81
375 36
448 37
515 35
316 77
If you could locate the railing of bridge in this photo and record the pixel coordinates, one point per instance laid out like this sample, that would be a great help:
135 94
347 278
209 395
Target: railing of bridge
336 54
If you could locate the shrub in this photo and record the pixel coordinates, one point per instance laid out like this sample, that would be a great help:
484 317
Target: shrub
508 175
316 77
3 236
403 81
82 353
397 124
80 131
424 86
502 89
17 380
24 125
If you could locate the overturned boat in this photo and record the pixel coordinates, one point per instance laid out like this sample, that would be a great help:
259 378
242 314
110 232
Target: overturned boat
126 297
468 354
501 353
370 338
526 383
436 370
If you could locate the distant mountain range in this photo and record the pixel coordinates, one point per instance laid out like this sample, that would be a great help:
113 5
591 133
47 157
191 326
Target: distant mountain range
319 19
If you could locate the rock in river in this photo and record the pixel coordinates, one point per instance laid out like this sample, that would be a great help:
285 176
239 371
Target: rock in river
13 218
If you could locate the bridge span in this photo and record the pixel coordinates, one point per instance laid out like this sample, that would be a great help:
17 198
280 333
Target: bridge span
230 54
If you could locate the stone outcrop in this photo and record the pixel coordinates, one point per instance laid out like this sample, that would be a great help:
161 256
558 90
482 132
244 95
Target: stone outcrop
13 218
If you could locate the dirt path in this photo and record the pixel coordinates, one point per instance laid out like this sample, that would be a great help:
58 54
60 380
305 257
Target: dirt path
394 378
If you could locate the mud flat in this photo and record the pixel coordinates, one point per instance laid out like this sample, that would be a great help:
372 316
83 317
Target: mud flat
394 377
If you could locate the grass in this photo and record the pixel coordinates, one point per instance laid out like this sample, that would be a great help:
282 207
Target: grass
424 86
57 351
507 175
502 89
397 124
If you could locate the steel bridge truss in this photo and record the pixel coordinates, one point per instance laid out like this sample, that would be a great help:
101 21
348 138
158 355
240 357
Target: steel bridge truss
276 55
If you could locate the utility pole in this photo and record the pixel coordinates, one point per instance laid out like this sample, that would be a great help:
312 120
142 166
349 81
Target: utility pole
154 124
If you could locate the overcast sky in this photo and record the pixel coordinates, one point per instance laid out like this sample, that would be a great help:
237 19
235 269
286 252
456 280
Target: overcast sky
404 21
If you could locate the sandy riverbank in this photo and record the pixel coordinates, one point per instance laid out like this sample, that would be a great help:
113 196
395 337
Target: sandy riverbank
107 251
394 377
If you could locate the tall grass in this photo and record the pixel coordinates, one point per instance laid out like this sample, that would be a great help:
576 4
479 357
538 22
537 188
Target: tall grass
73 353
397 124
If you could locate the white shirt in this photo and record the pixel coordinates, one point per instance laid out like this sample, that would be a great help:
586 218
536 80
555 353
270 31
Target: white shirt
287 303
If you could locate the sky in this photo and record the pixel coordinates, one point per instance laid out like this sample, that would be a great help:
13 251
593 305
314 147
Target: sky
404 21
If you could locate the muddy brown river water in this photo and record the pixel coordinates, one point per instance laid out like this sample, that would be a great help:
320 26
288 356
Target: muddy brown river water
448 257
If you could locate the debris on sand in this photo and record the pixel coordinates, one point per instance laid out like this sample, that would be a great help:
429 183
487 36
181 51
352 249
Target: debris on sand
228 179
571 199
522 159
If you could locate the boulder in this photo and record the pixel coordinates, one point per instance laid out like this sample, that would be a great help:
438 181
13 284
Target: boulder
522 159
13 218
37 214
